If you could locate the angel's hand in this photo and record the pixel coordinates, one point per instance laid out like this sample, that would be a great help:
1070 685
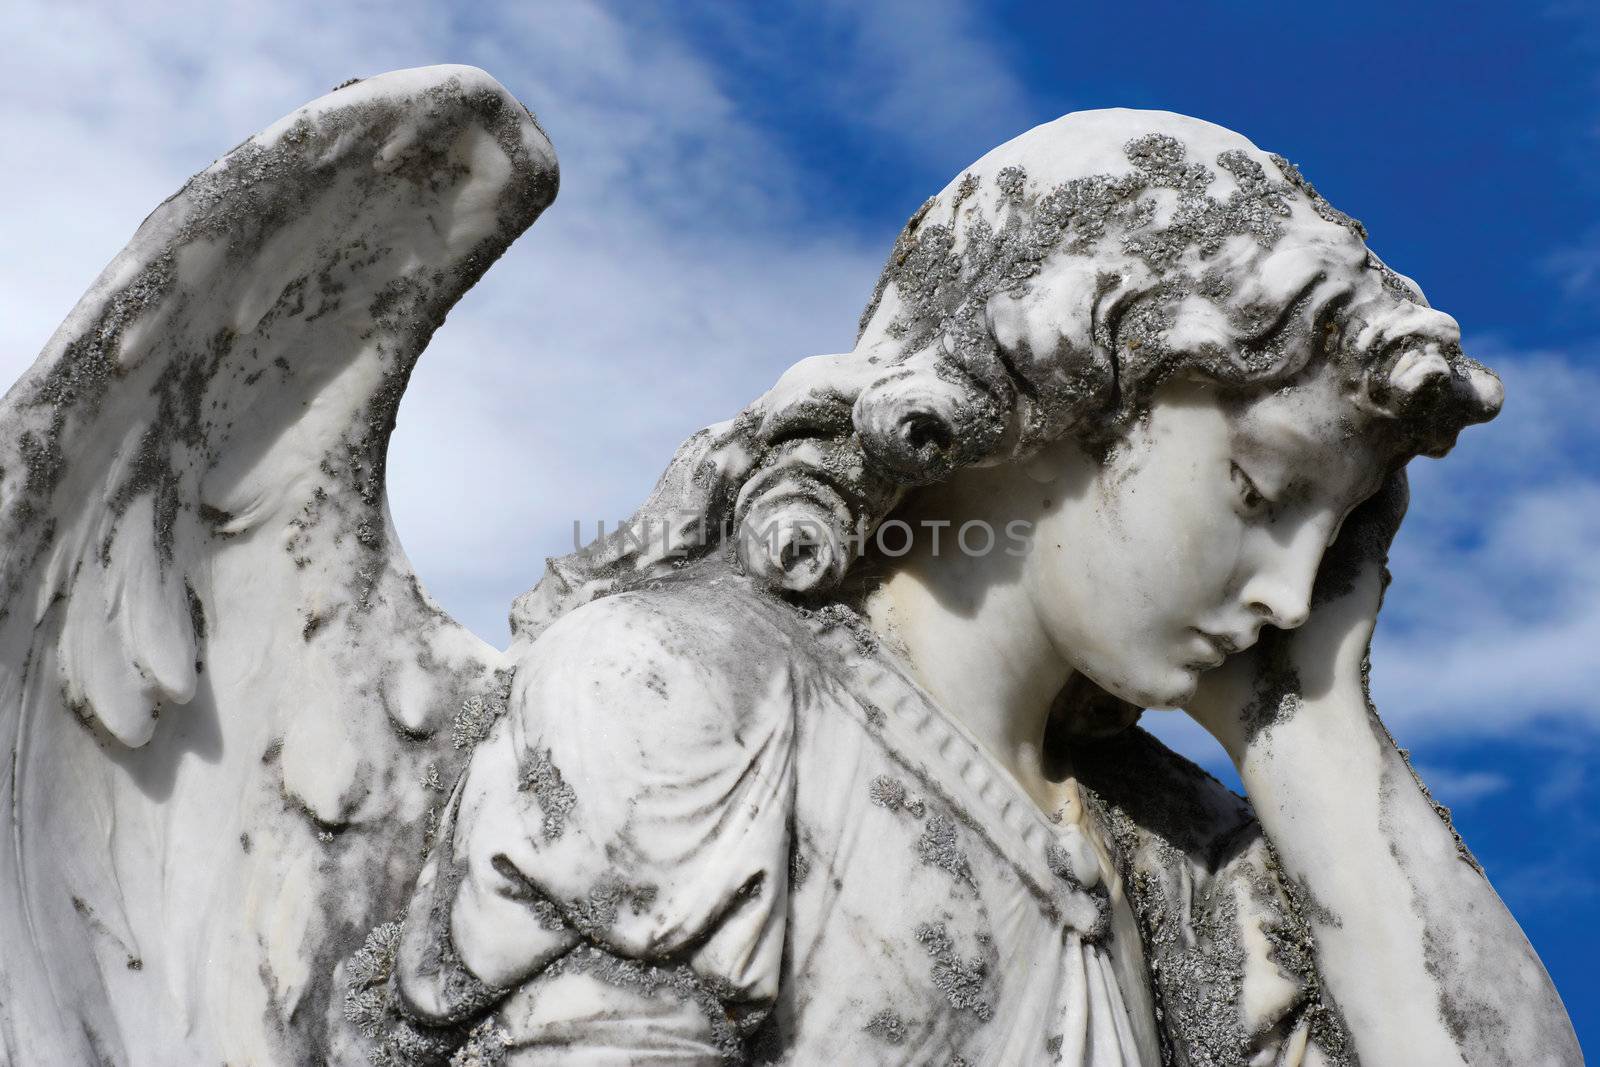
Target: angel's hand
1355 831
1238 701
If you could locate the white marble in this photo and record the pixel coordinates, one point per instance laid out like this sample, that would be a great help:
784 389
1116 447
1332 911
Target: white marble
830 755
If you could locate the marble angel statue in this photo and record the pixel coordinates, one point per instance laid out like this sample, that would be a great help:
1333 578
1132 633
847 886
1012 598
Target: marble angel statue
772 774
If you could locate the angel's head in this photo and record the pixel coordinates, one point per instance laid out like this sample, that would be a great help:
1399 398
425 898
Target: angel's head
1108 293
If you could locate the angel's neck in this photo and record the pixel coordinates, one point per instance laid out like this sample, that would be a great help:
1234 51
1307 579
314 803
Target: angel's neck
977 648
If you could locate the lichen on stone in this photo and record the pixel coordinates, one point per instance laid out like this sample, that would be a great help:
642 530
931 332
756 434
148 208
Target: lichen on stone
1319 204
1060 864
473 722
370 1006
939 846
1276 697
1462 850
487 1046
543 779
887 1026
890 792
962 981
594 915
1149 800
731 1024
1011 181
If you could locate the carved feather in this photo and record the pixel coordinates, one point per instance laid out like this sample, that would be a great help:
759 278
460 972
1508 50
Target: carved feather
220 682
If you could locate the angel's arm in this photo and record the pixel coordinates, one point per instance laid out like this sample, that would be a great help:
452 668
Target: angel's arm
1423 959
1225 941
615 859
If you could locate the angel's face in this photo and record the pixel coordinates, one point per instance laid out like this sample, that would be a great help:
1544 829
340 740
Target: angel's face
1206 523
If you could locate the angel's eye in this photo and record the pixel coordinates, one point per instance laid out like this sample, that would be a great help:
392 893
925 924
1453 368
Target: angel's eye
1251 499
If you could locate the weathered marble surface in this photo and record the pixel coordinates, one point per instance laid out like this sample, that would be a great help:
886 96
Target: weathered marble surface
222 687
750 785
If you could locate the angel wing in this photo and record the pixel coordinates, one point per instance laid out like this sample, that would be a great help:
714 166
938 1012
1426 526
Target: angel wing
226 703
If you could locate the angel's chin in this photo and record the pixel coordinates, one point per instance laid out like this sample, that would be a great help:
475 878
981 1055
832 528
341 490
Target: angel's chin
1173 689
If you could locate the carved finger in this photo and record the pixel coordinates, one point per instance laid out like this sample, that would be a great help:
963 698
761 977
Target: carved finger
1364 540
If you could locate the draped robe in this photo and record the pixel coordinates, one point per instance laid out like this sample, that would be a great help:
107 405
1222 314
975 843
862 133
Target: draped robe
713 826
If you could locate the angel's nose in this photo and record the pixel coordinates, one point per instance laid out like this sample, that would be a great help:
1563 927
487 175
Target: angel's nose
1279 591
1274 609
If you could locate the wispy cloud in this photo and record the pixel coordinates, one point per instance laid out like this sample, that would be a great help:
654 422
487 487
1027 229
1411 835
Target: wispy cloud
667 287
673 280
1576 268
1458 788
1550 882
1494 616
926 71
927 82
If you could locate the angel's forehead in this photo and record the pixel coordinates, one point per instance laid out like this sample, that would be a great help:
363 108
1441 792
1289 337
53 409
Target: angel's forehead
1310 433
1304 418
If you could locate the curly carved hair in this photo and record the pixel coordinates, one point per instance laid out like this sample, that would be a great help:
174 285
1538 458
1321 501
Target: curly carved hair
1045 292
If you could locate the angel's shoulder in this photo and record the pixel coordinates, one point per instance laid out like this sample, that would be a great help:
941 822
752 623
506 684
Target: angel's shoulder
641 783
712 656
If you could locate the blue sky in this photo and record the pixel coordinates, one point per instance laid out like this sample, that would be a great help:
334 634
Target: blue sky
733 176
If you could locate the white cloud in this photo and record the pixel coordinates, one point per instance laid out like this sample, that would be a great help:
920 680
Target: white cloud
1493 620
672 281
668 286
679 272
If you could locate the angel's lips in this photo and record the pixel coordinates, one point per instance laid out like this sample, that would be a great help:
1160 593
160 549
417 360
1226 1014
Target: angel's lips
1215 649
